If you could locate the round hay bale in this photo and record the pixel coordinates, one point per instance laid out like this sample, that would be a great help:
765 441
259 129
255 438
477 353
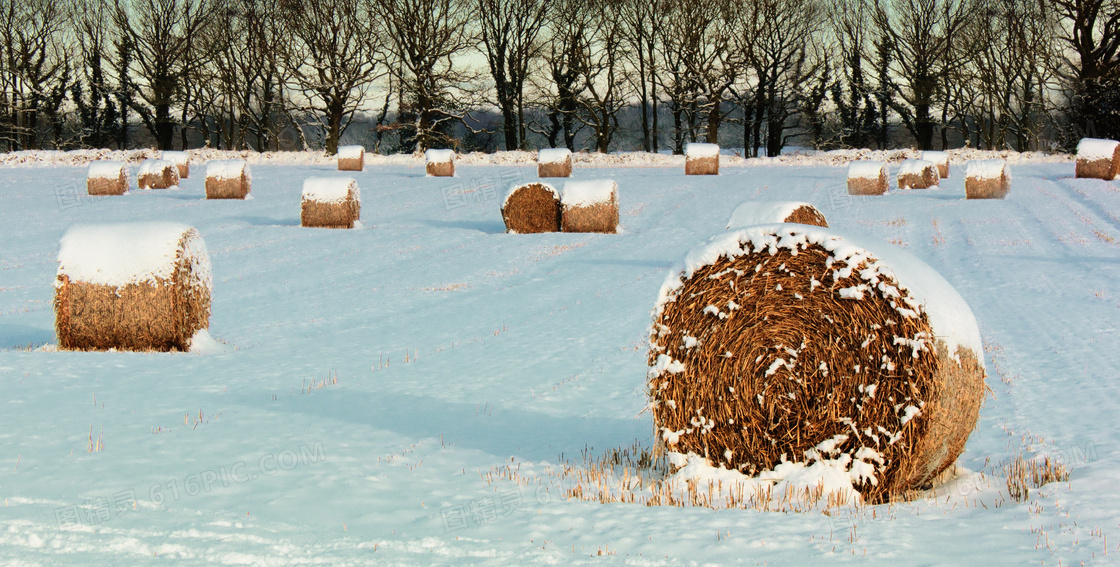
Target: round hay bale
439 163
753 213
182 161
1098 159
787 342
137 286
589 206
531 208
917 174
351 158
228 179
868 178
941 160
330 202
986 179
107 178
157 174
554 162
701 159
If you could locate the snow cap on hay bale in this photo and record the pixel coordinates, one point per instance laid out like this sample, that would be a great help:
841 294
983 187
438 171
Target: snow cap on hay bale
351 158
753 213
136 286
228 179
440 163
917 174
107 178
530 208
589 206
1098 159
182 161
554 162
941 160
986 179
701 159
330 202
157 174
790 342
868 178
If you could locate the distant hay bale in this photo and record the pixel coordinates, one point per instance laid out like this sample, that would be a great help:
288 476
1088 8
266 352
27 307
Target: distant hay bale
753 213
554 162
701 159
228 179
330 202
351 158
789 342
157 174
182 161
107 178
1098 159
531 208
589 206
941 160
440 163
917 174
868 178
138 286
986 179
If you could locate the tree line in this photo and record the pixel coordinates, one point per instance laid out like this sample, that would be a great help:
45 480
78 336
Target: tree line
600 75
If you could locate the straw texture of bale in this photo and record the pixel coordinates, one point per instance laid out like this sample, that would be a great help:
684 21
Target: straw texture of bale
532 208
103 185
807 214
860 185
764 355
157 174
1098 167
589 215
555 169
351 158
182 161
439 163
228 180
924 178
986 185
342 212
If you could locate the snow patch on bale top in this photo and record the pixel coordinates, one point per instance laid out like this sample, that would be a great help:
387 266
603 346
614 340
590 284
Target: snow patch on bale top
1093 149
698 150
330 189
228 169
105 169
865 169
513 189
938 158
585 193
914 166
129 253
752 213
949 315
177 158
439 156
985 168
351 152
155 167
554 155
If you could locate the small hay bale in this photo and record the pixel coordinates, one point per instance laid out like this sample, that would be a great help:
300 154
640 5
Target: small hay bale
1098 159
589 206
330 202
789 342
531 208
554 162
868 178
917 174
107 178
228 179
701 159
351 158
182 161
941 160
753 213
986 179
440 163
157 174
136 286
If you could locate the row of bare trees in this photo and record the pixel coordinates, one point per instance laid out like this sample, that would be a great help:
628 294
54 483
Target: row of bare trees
595 74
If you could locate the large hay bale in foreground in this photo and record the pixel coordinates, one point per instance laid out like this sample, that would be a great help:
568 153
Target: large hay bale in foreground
531 208
330 202
986 179
753 213
1098 159
789 342
941 160
589 206
554 162
182 161
107 178
439 163
868 178
228 179
138 286
351 158
917 174
157 174
701 159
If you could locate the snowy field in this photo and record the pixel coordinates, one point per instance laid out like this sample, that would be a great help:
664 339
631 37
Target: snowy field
373 391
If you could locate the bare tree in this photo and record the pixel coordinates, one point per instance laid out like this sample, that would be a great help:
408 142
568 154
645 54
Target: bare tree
854 94
643 21
602 59
510 31
563 72
92 92
1090 29
34 67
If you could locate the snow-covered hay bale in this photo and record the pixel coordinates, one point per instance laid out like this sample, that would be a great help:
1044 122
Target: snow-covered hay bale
753 213
228 179
589 206
330 202
917 174
530 208
986 179
440 163
1098 159
554 162
107 178
351 158
789 342
137 286
868 178
182 161
157 174
701 159
941 160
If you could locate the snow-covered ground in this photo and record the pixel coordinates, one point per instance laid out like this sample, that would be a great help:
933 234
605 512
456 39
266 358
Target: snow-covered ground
371 393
